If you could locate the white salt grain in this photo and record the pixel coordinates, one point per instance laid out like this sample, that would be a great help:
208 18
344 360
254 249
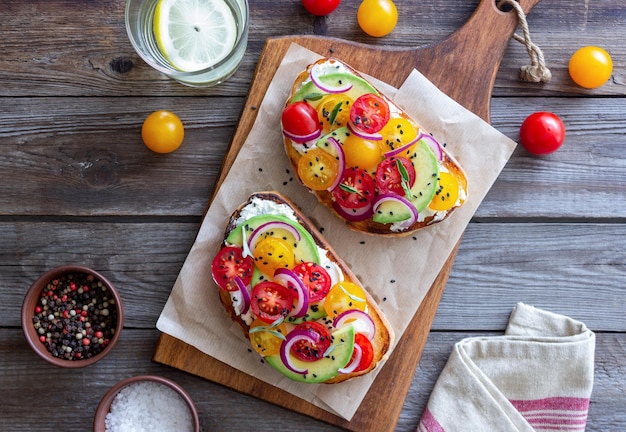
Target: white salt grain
148 406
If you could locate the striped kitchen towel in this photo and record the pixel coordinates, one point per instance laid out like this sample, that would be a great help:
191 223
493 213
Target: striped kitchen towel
538 376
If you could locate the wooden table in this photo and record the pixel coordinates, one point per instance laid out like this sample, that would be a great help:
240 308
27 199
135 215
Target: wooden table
78 186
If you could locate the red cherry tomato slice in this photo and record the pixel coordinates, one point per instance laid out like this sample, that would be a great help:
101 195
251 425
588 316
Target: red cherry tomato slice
228 264
300 119
367 352
542 133
320 7
271 301
315 278
307 351
369 113
389 177
356 189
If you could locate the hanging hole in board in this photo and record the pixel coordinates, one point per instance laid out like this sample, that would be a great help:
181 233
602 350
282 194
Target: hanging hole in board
504 5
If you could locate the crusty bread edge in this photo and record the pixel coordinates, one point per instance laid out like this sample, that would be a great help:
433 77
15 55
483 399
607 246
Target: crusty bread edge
368 226
384 337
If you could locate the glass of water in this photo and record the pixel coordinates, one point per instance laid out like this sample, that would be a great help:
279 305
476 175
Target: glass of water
199 43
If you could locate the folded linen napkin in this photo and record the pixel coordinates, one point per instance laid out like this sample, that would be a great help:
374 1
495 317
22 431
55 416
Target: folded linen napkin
538 376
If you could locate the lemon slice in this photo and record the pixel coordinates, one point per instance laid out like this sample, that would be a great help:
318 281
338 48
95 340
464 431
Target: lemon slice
194 34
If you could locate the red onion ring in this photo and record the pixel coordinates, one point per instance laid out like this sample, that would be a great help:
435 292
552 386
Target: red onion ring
392 197
263 228
303 138
353 215
241 297
429 139
402 149
366 324
292 338
316 77
364 135
286 277
358 354
341 158
433 144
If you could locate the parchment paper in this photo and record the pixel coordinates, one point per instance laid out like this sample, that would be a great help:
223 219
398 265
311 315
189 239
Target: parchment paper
397 271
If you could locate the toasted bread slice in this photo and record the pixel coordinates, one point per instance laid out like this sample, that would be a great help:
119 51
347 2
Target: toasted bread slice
392 200
261 208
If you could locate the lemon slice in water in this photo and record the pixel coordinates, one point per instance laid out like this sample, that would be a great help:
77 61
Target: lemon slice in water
194 34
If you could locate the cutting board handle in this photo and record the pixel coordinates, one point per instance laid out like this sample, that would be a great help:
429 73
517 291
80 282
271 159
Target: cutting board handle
486 35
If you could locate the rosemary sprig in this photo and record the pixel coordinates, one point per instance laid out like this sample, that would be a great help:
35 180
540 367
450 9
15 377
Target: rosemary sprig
334 113
404 175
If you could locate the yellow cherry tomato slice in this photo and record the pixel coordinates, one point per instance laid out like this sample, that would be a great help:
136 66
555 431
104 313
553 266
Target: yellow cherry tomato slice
162 132
344 296
318 169
272 253
590 67
397 133
334 111
266 339
447 193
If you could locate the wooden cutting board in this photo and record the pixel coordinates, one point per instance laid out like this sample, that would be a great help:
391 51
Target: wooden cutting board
464 66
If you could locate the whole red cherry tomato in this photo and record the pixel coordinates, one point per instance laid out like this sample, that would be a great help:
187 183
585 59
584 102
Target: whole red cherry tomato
542 133
320 7
300 120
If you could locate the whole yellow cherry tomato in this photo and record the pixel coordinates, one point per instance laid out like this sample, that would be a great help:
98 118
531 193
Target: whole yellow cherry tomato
162 132
377 17
590 67
362 153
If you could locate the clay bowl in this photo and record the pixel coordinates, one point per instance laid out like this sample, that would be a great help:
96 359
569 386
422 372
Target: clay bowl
75 312
104 407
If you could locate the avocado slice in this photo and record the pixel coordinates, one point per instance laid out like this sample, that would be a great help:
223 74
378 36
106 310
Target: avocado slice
340 353
340 134
312 94
391 212
304 250
315 312
426 175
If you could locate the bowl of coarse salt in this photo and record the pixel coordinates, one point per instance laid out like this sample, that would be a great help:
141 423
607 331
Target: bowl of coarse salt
146 403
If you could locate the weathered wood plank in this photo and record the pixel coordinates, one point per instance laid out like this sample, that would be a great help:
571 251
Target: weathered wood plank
498 265
569 268
31 382
99 59
84 156
141 259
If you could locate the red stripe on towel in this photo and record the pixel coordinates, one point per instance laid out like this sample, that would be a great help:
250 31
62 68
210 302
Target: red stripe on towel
555 413
429 423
